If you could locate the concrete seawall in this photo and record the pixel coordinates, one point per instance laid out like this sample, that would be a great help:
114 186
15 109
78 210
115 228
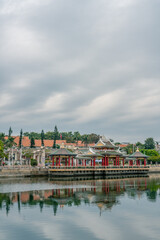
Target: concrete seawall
23 172
38 172
154 169
95 171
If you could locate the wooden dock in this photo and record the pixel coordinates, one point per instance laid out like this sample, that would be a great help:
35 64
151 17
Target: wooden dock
95 171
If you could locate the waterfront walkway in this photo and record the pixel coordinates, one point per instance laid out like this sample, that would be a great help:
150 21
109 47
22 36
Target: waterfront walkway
88 171
28 171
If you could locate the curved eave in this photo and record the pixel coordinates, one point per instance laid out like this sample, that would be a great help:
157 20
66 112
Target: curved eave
109 153
92 155
128 159
83 158
105 146
140 156
61 154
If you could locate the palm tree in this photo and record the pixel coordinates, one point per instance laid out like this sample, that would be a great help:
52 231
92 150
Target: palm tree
10 142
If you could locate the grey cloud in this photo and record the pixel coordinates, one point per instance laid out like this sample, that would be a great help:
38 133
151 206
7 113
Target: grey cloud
59 58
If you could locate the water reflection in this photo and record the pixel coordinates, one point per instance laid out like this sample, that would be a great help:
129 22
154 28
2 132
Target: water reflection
104 194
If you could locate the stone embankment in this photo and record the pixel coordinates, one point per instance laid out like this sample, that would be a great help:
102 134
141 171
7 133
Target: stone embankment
23 172
38 172
154 169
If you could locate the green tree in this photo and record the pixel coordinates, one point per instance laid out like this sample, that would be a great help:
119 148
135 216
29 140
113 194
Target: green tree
1 150
10 132
2 137
93 138
55 136
32 143
129 148
69 137
27 134
76 136
42 138
140 145
49 135
85 139
150 152
149 143
10 142
20 138
33 162
154 159
35 135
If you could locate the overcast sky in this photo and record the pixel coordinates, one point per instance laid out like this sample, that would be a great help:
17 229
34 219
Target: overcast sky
86 65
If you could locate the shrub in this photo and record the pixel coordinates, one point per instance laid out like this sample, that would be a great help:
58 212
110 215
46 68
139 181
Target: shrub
33 162
154 159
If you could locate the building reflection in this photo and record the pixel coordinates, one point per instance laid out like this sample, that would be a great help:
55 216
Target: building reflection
102 193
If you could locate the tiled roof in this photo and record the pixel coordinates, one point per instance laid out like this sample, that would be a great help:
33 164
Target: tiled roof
62 152
25 140
123 145
47 143
138 154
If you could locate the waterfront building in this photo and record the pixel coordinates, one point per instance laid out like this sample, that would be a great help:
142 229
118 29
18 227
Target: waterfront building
62 157
105 153
136 158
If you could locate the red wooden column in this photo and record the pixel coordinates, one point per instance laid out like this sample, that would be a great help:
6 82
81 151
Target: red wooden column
118 160
102 161
105 162
68 192
85 162
144 162
137 162
59 193
123 162
114 162
56 162
59 161
66 162
94 162
69 164
53 161
72 161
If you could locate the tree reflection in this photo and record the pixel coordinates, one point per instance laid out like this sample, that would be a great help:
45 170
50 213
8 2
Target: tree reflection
103 193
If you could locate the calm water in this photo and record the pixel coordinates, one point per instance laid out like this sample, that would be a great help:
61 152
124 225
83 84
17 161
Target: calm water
43 209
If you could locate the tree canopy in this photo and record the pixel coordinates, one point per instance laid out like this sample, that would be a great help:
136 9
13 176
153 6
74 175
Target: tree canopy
1 149
32 143
20 138
42 138
10 132
149 143
68 136
55 136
